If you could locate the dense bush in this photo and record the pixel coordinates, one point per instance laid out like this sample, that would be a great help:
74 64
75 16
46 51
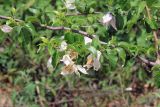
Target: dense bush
110 43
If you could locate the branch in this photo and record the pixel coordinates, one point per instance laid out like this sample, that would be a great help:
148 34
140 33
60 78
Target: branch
147 61
62 102
83 14
54 28
66 28
154 34
8 18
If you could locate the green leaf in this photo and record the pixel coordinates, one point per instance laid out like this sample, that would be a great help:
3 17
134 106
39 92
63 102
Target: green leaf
142 39
90 30
32 19
152 23
124 45
120 21
95 43
122 54
26 36
111 55
69 38
156 75
45 40
135 17
30 28
30 90
78 38
55 58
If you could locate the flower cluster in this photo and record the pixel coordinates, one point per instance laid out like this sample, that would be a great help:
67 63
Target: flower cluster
68 60
93 59
70 66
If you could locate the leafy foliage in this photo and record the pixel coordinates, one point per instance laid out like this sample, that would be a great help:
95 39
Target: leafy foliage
26 46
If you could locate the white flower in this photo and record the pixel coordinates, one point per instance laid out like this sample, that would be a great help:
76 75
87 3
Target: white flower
63 46
67 60
72 68
49 64
87 40
70 4
93 61
6 28
109 19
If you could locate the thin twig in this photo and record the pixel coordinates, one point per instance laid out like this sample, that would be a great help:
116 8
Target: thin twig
147 61
83 14
8 18
154 33
62 102
69 29
39 97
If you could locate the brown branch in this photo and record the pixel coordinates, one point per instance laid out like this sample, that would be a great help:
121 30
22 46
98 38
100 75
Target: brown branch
147 61
53 28
83 14
62 102
8 18
154 34
66 28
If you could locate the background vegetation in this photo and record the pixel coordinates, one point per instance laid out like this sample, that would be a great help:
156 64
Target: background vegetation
129 73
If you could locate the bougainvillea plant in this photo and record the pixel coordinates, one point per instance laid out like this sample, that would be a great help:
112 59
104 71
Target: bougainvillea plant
106 38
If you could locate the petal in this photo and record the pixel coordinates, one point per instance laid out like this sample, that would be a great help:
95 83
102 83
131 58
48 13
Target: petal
90 60
49 64
63 46
64 73
87 40
69 69
6 28
81 69
77 73
67 60
98 55
113 23
96 64
89 63
92 49
70 6
107 18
